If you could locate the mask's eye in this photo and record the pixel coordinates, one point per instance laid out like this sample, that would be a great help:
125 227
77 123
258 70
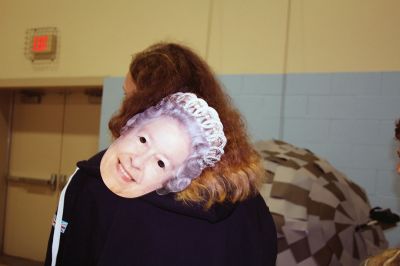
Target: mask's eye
160 164
142 139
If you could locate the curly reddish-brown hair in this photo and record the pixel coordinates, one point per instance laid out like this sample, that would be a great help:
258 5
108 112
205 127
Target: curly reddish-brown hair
166 68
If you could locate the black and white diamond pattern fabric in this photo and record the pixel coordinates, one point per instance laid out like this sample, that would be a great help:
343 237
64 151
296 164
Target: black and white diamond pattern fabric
316 209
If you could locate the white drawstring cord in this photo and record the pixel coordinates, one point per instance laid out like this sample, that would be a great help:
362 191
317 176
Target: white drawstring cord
57 226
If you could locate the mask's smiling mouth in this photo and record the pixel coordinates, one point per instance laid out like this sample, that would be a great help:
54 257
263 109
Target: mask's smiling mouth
124 174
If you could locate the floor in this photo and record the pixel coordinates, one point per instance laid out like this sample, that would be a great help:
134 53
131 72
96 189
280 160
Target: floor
14 261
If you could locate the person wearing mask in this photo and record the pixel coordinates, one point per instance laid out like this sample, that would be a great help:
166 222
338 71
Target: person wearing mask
168 205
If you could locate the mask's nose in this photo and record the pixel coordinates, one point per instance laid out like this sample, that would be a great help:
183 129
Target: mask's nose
138 162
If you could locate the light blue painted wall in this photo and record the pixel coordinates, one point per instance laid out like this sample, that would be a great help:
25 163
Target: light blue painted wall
111 100
348 118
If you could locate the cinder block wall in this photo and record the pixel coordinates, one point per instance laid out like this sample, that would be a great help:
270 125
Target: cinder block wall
347 118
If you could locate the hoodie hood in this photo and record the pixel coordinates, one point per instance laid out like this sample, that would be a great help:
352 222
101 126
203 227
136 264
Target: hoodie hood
215 213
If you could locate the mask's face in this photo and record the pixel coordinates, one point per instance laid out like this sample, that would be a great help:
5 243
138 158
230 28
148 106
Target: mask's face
144 158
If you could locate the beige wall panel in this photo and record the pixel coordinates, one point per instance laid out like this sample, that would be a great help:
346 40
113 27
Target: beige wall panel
97 38
247 36
343 35
81 131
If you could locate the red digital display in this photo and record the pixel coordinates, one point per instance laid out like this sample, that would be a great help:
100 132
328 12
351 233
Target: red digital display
40 43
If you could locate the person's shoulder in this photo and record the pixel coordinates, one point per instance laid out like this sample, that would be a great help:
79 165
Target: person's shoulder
86 170
91 166
255 207
93 160
86 182
255 201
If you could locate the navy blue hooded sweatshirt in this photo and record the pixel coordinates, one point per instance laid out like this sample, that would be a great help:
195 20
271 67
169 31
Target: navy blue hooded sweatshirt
106 229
